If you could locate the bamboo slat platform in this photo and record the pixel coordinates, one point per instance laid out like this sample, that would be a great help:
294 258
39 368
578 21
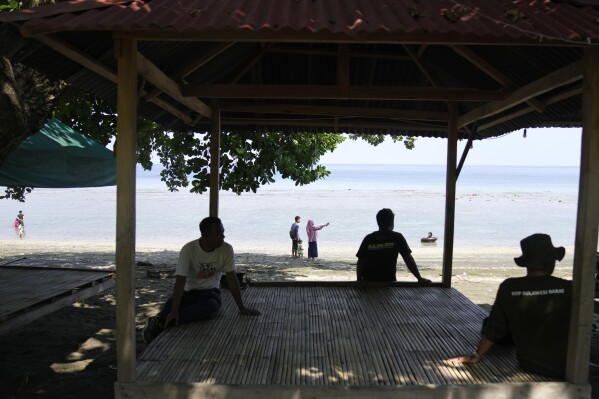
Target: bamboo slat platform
335 341
28 292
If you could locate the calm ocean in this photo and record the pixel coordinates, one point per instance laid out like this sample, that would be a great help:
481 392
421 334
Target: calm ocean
496 206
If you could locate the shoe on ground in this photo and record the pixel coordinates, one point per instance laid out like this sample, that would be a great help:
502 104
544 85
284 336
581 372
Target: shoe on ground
152 329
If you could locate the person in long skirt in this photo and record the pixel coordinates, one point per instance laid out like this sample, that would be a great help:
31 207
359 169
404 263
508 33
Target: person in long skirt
312 232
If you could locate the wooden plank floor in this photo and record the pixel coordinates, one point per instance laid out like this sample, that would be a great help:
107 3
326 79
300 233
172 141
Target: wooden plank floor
332 336
29 292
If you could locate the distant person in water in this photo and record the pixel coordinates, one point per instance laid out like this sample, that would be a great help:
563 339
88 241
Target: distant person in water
312 232
377 255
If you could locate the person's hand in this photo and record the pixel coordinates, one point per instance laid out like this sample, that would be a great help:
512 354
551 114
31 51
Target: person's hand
424 280
172 316
249 312
465 359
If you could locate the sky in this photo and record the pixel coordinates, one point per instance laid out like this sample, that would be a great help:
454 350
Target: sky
541 147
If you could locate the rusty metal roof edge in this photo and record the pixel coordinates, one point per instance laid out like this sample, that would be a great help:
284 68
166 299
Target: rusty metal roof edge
73 16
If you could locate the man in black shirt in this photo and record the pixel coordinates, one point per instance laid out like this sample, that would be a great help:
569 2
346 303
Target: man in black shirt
534 309
377 256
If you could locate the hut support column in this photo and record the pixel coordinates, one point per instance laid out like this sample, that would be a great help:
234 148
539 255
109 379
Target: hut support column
126 53
450 184
214 161
585 249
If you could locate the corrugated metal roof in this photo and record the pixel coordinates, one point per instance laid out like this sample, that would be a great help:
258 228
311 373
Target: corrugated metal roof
479 20
294 51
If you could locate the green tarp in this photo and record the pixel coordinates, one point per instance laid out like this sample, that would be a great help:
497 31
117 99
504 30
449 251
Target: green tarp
59 157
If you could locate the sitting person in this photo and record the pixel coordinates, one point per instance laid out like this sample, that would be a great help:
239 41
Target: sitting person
534 309
196 294
377 255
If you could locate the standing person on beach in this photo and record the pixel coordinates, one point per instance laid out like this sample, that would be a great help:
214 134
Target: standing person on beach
312 232
21 218
294 234
377 255
534 310
20 224
196 294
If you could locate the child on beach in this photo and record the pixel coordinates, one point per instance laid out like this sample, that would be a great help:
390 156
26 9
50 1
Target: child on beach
300 249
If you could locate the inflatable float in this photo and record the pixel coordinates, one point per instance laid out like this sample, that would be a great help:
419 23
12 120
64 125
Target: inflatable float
428 238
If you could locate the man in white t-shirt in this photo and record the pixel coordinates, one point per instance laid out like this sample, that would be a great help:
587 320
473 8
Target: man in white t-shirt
196 294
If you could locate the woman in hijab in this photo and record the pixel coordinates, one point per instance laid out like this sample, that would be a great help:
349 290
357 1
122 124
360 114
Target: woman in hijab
312 232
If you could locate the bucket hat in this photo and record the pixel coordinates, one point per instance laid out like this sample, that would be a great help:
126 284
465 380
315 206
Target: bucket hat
537 250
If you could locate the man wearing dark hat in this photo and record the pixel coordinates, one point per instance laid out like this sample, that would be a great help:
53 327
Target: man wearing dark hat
534 309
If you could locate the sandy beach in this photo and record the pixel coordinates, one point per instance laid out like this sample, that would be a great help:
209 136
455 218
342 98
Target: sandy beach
58 355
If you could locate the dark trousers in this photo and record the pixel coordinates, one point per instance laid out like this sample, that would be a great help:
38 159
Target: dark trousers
195 305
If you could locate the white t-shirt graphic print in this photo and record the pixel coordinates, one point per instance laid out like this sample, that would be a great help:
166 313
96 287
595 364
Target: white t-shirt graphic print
203 269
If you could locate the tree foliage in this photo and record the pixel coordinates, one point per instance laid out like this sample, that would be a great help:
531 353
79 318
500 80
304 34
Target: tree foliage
28 99
9 5
247 161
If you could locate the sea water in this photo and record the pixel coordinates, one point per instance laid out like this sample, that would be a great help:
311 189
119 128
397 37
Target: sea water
496 206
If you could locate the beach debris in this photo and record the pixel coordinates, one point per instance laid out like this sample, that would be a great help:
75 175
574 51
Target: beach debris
160 274
142 263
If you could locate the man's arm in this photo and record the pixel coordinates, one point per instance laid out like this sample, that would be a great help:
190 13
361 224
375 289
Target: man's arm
413 268
360 269
483 347
177 295
236 292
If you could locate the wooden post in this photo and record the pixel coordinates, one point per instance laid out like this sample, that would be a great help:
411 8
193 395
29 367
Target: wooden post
450 183
579 342
463 158
214 160
126 53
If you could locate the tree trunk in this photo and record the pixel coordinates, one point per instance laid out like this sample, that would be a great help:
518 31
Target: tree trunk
27 98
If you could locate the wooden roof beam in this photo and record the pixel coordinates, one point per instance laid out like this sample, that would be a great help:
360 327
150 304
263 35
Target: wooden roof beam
194 65
331 123
423 69
576 91
249 65
493 72
97 67
159 79
561 77
343 69
330 53
332 92
296 109
79 57
305 35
